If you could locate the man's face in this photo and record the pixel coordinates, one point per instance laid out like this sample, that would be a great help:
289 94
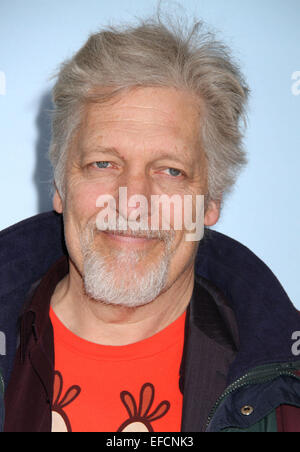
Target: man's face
148 141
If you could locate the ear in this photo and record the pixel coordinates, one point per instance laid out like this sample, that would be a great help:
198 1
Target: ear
57 202
212 213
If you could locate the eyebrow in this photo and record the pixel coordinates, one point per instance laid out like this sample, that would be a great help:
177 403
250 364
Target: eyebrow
115 152
167 155
103 150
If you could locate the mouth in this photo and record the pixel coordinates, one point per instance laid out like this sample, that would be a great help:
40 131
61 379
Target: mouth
130 237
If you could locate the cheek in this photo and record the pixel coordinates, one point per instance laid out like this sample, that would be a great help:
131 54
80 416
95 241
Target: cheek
80 209
81 201
183 256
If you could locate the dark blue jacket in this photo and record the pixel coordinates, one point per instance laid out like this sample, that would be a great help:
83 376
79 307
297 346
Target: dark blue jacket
261 376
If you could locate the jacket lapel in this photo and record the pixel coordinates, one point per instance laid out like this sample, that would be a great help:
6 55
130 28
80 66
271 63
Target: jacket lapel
210 347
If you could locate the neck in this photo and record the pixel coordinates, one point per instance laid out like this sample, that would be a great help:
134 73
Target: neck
116 325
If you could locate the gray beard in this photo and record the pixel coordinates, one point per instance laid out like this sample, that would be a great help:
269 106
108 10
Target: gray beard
115 279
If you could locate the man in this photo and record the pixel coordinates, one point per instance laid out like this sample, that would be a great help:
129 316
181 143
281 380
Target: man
137 324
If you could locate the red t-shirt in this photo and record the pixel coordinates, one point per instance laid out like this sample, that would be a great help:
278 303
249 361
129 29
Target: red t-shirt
100 388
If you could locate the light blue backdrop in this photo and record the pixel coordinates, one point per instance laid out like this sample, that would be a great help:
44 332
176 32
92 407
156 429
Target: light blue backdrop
263 213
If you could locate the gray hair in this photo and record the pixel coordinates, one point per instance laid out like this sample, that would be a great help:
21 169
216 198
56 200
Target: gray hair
153 53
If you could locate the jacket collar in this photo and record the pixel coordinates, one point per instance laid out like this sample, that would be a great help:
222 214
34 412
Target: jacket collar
36 339
265 316
211 344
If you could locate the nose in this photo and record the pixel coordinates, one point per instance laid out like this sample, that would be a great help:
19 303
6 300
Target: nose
134 197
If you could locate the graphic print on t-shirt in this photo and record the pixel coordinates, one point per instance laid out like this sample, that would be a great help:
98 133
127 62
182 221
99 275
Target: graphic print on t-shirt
60 420
140 417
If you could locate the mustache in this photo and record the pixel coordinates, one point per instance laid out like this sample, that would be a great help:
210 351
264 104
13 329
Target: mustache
147 234
167 236
133 229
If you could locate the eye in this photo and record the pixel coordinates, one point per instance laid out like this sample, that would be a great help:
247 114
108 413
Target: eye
174 172
102 165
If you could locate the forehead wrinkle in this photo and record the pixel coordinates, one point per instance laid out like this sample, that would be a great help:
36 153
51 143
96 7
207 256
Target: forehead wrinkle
157 115
135 125
112 114
103 137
